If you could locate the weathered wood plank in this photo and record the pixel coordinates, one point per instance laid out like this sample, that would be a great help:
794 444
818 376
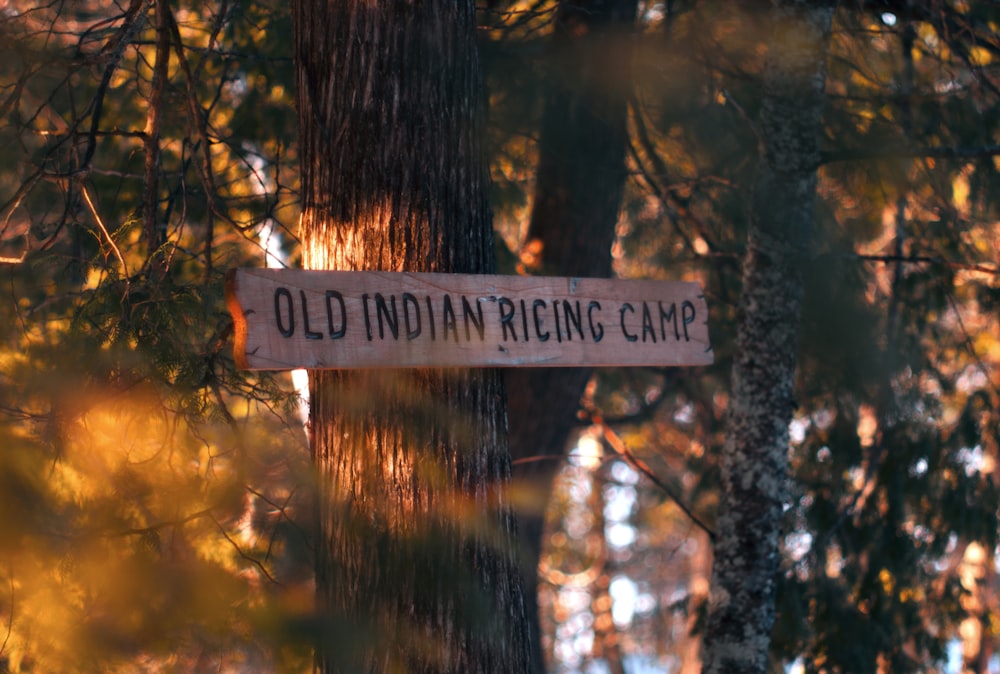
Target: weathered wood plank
286 319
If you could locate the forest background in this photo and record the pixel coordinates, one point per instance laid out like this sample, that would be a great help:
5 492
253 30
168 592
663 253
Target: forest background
155 501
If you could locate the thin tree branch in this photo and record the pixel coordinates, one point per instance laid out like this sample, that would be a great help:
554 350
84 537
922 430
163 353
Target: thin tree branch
116 45
4 259
104 230
618 445
220 21
152 528
256 562
15 95
196 120
969 344
282 508
677 209
16 200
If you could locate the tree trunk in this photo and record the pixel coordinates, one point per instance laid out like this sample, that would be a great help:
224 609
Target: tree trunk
416 563
578 192
754 460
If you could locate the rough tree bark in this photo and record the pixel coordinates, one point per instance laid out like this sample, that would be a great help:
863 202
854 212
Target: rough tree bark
754 461
578 192
416 541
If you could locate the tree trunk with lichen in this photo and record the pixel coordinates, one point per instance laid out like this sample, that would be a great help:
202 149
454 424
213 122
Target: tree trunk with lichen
416 562
741 608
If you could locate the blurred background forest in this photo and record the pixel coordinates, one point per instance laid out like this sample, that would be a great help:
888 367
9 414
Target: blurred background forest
154 500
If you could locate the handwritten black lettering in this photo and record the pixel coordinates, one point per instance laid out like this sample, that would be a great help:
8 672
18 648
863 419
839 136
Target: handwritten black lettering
627 307
368 322
467 317
666 317
507 317
391 319
289 330
449 319
687 313
573 320
384 319
597 332
336 333
412 330
647 324
430 318
542 337
309 334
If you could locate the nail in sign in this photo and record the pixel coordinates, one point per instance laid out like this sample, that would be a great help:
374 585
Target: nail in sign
286 319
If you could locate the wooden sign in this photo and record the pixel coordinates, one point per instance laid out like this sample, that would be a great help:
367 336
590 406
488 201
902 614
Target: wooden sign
287 319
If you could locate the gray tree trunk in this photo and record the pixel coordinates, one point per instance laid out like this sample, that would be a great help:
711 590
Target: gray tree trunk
754 462
416 563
